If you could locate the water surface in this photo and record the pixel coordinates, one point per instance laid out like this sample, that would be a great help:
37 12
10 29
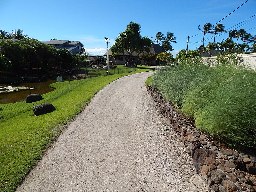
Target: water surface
39 88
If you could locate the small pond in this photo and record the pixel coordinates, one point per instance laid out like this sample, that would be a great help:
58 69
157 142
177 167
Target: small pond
20 92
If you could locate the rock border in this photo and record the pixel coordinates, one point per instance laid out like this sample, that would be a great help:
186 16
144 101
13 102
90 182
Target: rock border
223 168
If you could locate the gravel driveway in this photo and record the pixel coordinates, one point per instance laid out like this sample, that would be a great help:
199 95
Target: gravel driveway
117 143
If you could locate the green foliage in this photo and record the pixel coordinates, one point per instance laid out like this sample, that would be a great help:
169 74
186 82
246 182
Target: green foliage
165 57
221 99
254 48
188 57
230 115
149 81
244 40
21 57
173 82
17 34
229 59
130 41
165 41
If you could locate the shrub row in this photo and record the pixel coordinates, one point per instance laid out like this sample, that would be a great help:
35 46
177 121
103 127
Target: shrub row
30 57
221 99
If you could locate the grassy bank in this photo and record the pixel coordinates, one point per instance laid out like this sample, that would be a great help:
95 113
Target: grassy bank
221 99
118 70
24 137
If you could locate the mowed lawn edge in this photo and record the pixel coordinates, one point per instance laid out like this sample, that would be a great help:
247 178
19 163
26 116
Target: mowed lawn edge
24 137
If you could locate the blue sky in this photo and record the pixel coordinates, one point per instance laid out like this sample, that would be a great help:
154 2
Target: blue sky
89 21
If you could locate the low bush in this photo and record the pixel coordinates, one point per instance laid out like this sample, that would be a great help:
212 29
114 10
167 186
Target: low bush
221 99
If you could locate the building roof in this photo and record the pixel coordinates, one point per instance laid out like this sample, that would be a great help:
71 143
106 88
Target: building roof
157 49
62 42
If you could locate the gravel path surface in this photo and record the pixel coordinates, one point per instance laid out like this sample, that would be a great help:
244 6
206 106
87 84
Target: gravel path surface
117 143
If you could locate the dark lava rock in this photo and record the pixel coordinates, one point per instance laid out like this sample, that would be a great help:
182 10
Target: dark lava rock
43 109
33 98
223 168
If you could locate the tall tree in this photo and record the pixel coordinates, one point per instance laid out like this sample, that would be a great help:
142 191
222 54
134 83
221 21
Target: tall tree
228 46
18 34
131 41
145 45
207 28
233 34
218 28
4 34
159 37
166 41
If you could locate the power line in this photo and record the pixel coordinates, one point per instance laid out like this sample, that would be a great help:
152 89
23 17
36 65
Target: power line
232 11
242 22
238 25
227 16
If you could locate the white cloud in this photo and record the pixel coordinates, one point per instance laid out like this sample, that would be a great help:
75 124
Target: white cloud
96 51
94 42
94 45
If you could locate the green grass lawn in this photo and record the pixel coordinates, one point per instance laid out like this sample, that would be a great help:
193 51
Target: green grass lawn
118 70
24 137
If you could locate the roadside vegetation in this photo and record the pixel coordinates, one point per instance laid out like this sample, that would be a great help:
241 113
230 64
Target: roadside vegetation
221 99
94 72
34 60
24 137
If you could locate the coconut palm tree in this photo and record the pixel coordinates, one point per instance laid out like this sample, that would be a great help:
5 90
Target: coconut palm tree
4 34
165 41
19 34
207 28
218 28
244 36
233 34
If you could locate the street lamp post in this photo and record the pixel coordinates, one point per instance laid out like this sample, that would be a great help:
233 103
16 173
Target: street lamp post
107 41
187 45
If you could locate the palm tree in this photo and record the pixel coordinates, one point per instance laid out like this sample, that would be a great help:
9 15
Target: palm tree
244 35
207 28
170 37
165 41
233 34
19 34
4 34
219 28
